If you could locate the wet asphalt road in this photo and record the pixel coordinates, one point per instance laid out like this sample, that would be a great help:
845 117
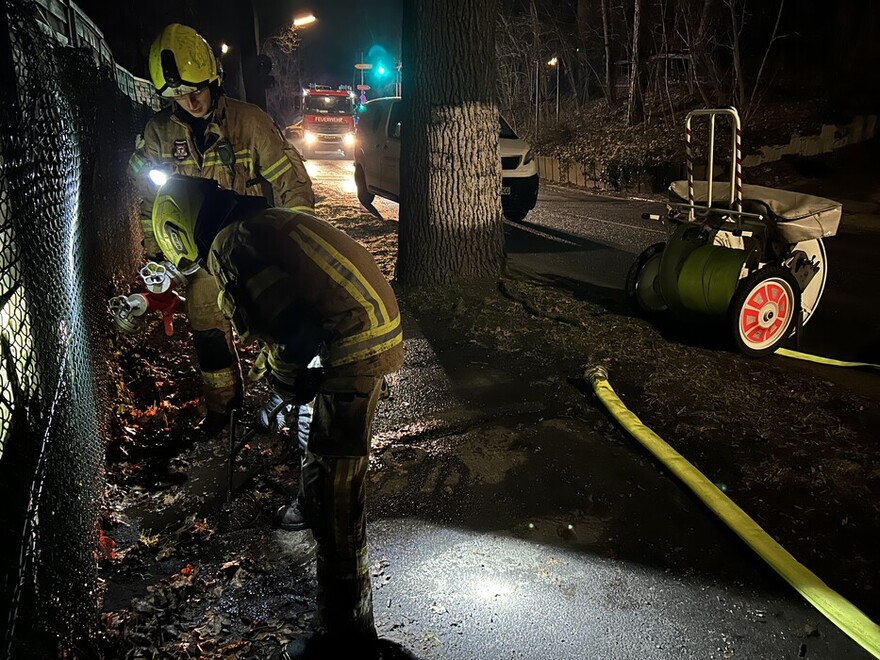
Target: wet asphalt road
508 532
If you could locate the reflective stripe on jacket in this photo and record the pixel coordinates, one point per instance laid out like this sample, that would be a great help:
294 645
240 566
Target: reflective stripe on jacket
248 154
286 270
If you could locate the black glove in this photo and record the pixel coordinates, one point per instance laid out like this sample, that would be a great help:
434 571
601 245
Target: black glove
299 390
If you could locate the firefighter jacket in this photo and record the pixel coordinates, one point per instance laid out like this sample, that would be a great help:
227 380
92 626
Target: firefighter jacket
303 287
246 153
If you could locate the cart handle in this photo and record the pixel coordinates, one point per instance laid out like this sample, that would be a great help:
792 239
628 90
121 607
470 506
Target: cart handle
736 152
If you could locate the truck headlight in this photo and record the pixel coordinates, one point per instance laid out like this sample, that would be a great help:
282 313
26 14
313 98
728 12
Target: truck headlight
348 140
309 137
528 158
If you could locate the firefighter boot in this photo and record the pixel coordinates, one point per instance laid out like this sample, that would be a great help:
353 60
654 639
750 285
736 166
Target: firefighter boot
363 646
222 390
292 517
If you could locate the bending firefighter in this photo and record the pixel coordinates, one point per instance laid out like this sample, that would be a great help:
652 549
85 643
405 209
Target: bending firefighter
206 134
303 288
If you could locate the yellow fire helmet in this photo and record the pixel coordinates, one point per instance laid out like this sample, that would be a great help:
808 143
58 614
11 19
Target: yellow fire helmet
175 214
182 62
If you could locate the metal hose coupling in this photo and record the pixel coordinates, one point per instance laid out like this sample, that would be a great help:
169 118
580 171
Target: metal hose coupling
594 374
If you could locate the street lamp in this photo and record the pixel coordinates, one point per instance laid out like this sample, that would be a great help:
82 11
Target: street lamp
224 48
304 20
554 61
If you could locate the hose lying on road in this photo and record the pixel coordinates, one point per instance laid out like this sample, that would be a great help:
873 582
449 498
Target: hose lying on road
838 609
823 360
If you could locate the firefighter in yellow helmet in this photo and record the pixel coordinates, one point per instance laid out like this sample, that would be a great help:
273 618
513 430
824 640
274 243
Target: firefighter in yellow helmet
206 134
303 288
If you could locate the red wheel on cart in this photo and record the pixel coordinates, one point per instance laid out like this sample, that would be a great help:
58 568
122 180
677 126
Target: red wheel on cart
641 280
764 309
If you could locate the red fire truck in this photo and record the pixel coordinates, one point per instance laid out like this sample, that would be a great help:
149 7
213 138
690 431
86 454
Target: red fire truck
328 120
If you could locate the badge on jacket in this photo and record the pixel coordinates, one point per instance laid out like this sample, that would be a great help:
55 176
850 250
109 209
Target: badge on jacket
180 150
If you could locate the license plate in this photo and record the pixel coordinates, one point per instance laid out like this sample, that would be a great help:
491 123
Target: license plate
505 190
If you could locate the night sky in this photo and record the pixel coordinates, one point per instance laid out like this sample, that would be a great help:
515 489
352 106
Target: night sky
329 47
345 28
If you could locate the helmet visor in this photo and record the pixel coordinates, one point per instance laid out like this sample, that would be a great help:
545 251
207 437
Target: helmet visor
182 90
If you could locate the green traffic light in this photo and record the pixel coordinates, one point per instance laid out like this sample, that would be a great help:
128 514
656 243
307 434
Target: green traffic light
380 70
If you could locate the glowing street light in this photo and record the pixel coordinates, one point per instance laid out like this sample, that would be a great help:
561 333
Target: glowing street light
224 48
304 20
554 61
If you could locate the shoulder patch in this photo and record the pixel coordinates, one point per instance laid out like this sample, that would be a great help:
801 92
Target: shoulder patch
180 150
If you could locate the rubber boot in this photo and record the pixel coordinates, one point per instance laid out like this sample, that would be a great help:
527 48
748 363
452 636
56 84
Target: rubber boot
292 517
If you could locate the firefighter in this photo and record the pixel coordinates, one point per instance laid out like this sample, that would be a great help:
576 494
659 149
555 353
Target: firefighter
204 133
303 288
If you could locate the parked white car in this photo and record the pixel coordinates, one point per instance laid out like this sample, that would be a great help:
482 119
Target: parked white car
377 160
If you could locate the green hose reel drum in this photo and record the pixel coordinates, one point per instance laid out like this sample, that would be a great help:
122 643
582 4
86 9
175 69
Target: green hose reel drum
709 277
697 276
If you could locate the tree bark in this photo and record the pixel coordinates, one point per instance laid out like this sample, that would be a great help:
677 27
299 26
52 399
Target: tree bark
450 207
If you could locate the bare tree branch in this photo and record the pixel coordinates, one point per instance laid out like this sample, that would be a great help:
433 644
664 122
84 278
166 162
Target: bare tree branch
773 37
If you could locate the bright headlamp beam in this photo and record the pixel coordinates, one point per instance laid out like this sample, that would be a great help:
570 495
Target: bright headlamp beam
158 177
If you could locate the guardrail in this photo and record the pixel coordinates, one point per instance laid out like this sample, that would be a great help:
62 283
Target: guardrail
72 27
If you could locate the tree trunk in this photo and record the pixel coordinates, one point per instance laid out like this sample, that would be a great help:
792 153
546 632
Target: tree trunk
249 36
633 103
696 43
739 84
450 207
583 49
606 38
539 67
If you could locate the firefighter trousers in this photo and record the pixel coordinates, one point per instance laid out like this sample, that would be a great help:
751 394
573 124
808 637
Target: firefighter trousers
333 484
212 339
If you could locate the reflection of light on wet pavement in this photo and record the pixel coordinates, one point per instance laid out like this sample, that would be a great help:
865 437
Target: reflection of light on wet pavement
312 168
492 588
338 175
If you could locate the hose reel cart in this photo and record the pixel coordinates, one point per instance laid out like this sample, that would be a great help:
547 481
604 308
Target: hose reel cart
752 255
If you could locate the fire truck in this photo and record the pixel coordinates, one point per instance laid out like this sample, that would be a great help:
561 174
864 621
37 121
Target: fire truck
328 120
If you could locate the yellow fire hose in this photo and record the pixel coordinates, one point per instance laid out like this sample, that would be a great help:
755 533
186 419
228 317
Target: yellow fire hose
822 360
835 607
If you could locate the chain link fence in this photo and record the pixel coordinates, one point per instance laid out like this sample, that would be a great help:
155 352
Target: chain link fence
68 232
